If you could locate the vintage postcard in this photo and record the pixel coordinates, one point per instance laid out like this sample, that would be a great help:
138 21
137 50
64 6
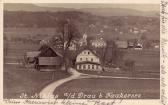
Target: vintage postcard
84 53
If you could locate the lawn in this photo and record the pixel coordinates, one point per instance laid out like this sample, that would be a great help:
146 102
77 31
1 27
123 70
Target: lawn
19 80
148 89
120 73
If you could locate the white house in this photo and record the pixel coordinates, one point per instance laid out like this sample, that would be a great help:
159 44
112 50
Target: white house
83 40
88 60
98 43
138 46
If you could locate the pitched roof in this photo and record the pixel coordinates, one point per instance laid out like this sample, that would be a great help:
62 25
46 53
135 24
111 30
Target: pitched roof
88 48
44 48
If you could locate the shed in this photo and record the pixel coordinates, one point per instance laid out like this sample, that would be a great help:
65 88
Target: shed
30 56
49 58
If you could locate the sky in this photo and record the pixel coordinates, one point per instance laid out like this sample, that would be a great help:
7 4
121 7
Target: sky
139 7
84 1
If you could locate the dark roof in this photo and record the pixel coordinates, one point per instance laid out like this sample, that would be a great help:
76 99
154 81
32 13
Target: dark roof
45 48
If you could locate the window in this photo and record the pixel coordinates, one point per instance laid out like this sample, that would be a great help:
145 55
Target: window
79 66
88 52
92 66
80 59
84 66
92 59
97 67
88 66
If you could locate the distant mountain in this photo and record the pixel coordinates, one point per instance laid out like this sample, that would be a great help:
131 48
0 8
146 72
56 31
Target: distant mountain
119 12
115 23
96 11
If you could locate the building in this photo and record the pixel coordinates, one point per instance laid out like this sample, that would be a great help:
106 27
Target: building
49 59
30 56
72 46
121 44
138 46
98 43
88 60
83 41
131 44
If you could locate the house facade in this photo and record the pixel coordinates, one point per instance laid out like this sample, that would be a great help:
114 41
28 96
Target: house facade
88 60
83 40
72 46
98 43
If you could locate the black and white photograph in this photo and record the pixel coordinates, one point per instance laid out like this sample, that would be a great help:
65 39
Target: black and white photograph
81 51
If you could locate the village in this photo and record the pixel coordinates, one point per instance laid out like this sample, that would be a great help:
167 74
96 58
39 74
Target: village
77 52
86 55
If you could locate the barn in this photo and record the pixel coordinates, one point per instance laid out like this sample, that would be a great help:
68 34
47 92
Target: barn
49 59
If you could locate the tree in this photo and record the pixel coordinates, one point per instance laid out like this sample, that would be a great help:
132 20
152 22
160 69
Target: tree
117 55
129 65
67 33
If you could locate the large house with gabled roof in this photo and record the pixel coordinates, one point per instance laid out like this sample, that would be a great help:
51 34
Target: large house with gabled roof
87 59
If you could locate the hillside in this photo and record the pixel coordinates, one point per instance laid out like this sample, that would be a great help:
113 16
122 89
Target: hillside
96 9
108 27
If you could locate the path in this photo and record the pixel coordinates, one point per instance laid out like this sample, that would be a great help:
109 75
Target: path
48 91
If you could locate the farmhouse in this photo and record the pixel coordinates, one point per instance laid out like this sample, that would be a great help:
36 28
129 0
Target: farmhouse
98 43
139 45
88 60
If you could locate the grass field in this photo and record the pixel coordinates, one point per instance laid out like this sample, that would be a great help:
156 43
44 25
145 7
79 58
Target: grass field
145 60
149 89
19 80
124 74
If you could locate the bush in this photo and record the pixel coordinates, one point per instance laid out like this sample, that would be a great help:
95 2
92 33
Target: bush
129 65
